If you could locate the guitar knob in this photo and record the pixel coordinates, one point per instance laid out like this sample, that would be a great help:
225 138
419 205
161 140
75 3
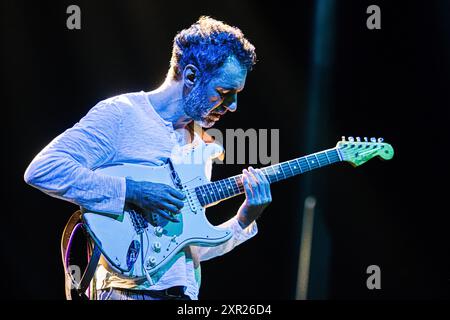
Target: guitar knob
158 231
151 262
351 139
380 139
156 246
365 139
343 138
358 139
373 139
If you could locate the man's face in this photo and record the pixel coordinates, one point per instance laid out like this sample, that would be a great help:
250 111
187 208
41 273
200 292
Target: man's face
211 98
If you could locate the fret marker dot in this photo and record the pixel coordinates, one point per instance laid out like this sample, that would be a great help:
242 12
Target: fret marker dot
312 161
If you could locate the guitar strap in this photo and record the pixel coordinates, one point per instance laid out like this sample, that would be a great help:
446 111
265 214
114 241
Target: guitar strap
77 287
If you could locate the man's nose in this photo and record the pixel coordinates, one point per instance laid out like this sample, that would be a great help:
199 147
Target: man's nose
231 104
232 107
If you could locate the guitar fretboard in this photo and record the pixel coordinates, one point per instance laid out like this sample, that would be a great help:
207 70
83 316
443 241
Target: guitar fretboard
230 187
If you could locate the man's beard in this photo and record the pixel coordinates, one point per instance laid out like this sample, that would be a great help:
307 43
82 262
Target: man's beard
197 106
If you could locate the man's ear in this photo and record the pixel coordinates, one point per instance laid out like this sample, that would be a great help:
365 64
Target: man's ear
190 75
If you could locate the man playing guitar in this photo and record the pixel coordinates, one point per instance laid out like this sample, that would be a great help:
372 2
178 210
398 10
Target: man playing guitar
208 68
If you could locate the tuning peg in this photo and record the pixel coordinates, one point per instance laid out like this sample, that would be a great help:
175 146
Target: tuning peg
373 139
365 139
380 139
358 139
343 138
351 139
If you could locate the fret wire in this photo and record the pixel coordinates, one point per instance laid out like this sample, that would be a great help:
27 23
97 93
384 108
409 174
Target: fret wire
224 189
292 171
200 191
277 171
267 169
317 159
299 165
306 160
206 194
314 161
272 175
289 172
228 188
211 192
235 185
264 170
220 189
326 155
339 154
215 192
322 159
229 192
217 189
287 169
280 165
330 156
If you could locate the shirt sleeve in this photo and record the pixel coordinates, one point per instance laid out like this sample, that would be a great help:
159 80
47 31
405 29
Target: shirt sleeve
239 236
64 168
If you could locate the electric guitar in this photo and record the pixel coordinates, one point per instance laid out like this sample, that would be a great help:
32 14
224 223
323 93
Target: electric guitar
137 247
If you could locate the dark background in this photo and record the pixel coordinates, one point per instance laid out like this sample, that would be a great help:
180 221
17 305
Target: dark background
391 83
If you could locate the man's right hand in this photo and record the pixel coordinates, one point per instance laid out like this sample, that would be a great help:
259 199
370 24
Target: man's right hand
155 197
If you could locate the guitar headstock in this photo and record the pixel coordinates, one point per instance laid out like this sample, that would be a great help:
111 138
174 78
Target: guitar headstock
357 151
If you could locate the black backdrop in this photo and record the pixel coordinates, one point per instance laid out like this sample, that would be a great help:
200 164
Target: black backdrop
391 82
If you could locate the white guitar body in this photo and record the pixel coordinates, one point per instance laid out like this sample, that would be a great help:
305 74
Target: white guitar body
138 248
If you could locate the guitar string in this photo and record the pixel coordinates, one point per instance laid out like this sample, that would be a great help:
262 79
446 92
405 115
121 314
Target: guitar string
240 189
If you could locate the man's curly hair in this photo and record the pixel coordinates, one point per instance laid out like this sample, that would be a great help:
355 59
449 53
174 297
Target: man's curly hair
207 44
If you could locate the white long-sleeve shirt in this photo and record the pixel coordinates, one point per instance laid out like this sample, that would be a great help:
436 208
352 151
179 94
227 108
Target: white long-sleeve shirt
121 129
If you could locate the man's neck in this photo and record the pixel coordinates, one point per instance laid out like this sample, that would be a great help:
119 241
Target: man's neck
167 100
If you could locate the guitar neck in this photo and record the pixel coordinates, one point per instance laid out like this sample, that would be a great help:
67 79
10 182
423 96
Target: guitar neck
226 188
